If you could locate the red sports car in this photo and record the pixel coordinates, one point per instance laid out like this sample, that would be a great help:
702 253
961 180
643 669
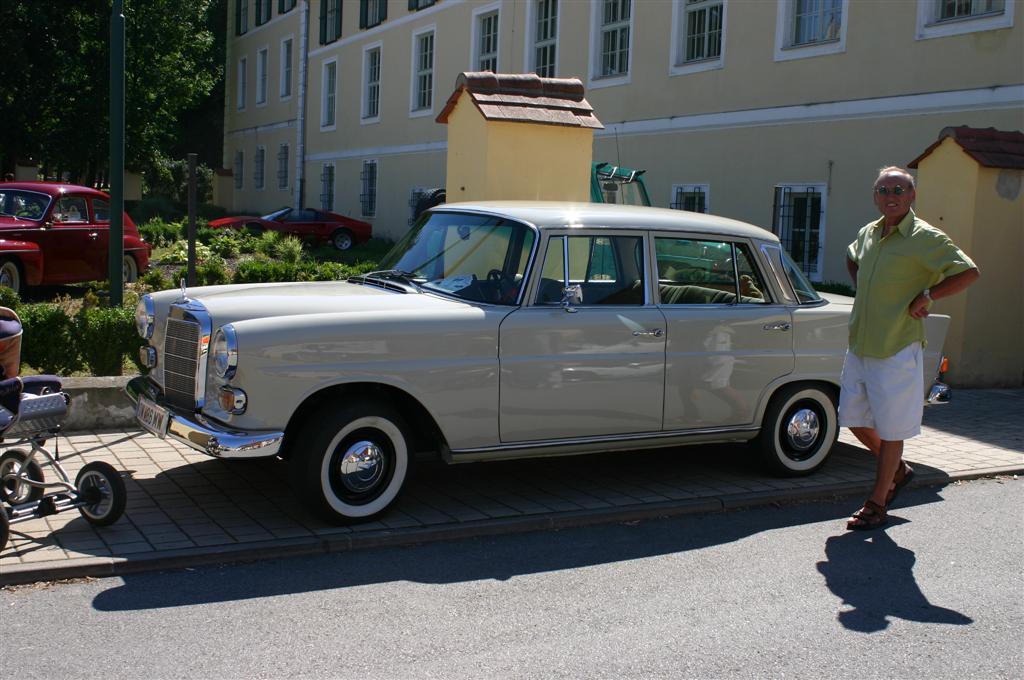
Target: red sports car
53 233
322 226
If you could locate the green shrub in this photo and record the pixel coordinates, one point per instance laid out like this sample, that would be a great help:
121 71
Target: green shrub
227 243
259 270
178 254
159 233
8 298
155 280
105 335
154 207
836 287
49 343
209 211
213 272
268 243
289 249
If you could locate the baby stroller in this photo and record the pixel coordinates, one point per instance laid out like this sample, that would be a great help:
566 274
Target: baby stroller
31 412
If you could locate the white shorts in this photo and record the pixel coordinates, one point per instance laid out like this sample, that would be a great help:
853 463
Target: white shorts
884 394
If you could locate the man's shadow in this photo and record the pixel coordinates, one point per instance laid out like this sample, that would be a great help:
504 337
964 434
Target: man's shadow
869 572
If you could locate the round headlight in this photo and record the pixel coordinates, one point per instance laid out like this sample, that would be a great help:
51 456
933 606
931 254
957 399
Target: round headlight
224 352
144 317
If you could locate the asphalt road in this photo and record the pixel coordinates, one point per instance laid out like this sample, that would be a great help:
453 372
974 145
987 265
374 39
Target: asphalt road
771 592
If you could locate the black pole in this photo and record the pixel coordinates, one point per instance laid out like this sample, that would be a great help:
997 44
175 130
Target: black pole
192 219
115 252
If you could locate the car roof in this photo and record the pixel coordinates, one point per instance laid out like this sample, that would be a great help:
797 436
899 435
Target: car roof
559 215
53 188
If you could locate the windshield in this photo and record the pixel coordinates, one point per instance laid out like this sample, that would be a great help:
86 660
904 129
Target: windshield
25 205
480 258
277 214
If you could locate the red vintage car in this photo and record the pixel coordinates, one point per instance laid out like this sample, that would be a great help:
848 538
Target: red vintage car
53 233
319 225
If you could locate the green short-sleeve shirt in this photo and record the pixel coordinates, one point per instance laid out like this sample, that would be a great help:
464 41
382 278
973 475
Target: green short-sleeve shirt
891 272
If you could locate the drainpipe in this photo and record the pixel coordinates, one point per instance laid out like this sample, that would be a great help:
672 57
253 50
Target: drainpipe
300 123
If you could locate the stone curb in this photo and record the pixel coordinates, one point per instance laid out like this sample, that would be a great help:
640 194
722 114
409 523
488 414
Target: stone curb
300 547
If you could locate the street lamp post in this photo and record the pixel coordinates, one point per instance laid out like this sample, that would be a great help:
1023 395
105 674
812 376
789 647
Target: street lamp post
116 248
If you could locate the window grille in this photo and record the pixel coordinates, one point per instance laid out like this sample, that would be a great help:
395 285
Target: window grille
703 30
816 21
368 197
615 37
241 17
286 68
330 91
282 167
488 52
327 188
285 6
546 32
371 108
262 12
261 76
372 12
691 197
242 84
239 167
958 9
258 163
424 71
798 221
330 21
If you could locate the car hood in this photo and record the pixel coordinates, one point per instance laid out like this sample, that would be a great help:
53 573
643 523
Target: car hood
224 221
837 299
227 304
7 222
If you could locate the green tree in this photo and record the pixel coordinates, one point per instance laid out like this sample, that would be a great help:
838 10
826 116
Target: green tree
54 100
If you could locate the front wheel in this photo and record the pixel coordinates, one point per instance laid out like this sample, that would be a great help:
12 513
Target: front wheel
13 488
350 461
5 528
798 431
342 239
100 485
130 269
10 275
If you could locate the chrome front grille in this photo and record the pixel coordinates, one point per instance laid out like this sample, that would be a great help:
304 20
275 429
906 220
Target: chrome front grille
181 362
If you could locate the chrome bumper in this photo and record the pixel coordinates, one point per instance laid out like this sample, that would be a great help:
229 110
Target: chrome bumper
201 434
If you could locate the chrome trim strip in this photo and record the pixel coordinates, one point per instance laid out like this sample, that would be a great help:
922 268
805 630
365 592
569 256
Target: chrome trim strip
605 439
198 432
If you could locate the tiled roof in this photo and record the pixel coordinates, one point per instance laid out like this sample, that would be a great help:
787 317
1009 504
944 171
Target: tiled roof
524 98
991 148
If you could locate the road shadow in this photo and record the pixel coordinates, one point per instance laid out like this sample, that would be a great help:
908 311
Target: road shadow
507 556
869 572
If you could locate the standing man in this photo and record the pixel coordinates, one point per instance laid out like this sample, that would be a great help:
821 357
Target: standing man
900 264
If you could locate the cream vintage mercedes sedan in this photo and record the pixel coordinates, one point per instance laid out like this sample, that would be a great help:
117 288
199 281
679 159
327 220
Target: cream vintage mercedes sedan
500 330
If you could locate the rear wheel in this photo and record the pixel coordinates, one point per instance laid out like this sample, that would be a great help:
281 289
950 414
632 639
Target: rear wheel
130 269
350 461
798 431
10 274
342 239
12 489
5 528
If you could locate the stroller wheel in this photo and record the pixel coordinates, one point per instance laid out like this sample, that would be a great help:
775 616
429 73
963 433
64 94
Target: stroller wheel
103 491
12 490
5 528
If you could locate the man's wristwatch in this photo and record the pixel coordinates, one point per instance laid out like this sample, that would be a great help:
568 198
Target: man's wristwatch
927 293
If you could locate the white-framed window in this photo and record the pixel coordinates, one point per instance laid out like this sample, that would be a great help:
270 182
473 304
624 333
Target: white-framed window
259 169
282 167
262 58
611 40
327 187
330 21
698 35
422 97
944 18
542 19
287 59
372 12
368 193
238 168
692 197
241 83
798 219
329 95
485 38
371 83
810 28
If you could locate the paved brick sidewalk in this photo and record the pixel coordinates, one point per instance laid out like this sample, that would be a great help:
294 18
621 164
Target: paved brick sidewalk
186 508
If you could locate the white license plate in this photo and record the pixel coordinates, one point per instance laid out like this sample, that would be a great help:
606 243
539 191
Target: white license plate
152 417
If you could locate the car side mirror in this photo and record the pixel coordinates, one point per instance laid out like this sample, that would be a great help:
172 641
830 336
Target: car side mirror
572 296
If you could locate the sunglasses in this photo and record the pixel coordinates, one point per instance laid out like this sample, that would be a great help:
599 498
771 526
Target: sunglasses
896 191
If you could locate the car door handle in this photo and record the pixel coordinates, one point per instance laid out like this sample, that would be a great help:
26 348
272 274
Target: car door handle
93 236
780 326
656 332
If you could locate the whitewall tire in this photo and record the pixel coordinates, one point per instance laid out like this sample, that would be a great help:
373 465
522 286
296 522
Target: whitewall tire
799 428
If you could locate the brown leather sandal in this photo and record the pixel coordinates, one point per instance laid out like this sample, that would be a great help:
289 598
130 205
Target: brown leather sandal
871 516
903 477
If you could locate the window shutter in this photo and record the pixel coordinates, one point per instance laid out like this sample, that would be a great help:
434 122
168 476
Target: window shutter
412 5
382 10
337 21
323 22
363 14
238 17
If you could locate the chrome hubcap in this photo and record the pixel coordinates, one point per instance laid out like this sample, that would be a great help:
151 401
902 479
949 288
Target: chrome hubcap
361 467
802 429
